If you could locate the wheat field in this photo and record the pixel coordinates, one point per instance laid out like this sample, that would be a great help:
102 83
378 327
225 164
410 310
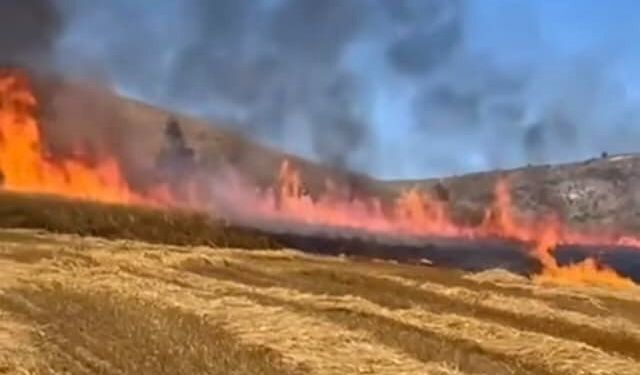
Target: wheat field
79 305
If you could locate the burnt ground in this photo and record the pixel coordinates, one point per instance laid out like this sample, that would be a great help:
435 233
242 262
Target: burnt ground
467 255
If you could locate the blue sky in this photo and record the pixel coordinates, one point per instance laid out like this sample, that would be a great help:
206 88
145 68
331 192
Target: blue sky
546 34
607 29
563 26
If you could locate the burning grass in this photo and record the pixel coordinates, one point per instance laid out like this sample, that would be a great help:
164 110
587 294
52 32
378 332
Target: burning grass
29 166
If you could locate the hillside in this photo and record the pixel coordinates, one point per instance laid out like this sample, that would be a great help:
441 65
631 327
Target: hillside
594 193
135 131
85 305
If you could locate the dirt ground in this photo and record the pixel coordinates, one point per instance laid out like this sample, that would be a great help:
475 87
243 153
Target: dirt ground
73 305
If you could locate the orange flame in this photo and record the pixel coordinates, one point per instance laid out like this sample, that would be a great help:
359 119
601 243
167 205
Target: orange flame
293 203
545 238
26 166
416 213
588 272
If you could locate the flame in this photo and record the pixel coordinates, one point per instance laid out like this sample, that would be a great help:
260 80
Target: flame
331 209
414 213
27 167
499 219
418 214
547 237
588 272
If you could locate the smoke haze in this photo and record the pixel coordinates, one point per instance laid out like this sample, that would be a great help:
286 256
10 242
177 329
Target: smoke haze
28 30
394 88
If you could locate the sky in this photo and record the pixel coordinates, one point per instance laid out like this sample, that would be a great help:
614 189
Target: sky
512 82
538 33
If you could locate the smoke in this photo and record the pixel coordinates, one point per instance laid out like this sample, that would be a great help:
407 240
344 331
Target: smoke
28 31
429 32
394 88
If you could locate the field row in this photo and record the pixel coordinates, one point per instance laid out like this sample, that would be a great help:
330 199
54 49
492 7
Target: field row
116 307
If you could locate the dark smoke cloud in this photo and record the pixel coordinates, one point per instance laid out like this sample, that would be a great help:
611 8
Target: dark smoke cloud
274 65
390 87
28 31
429 31
316 32
274 69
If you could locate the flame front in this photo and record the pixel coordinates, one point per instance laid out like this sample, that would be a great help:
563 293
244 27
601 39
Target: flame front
415 213
27 167
545 238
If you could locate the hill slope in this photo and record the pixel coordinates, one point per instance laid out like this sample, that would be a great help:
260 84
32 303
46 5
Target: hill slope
135 131
593 193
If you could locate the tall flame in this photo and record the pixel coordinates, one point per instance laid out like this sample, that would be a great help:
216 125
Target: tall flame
545 237
26 166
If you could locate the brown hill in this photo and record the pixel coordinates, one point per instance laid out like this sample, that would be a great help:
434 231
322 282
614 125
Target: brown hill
136 130
588 194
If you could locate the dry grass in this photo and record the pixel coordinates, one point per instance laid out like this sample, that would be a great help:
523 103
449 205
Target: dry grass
87 305
124 222
100 332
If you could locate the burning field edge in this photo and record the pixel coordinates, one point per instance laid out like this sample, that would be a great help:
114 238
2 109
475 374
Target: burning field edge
345 218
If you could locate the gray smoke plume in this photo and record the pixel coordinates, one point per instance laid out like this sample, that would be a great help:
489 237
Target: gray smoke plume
274 69
28 31
275 66
428 33
394 88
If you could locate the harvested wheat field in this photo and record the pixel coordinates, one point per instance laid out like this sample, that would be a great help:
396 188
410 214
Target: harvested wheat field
79 305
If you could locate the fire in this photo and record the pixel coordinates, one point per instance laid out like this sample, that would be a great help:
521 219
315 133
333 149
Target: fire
499 219
332 209
546 237
415 213
587 272
26 166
